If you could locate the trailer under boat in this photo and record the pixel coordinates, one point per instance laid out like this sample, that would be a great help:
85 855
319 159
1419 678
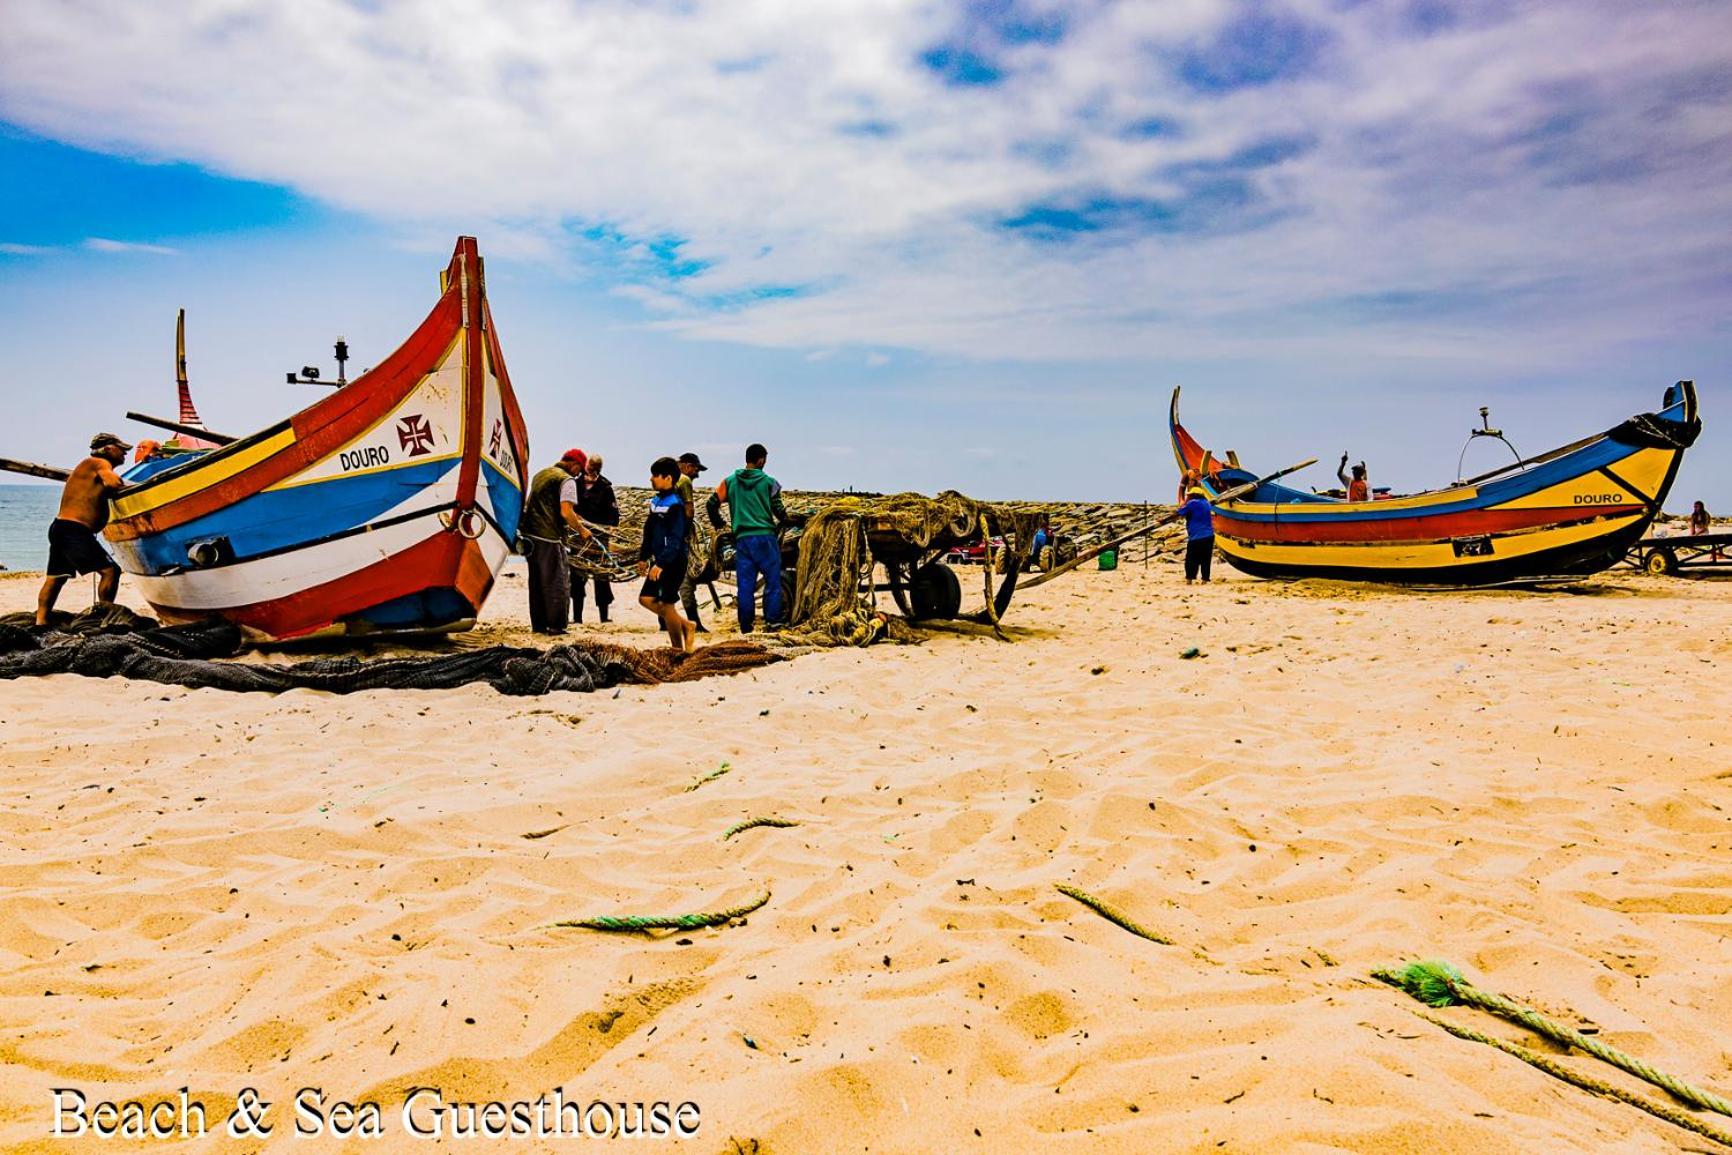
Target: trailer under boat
1666 556
387 507
1575 510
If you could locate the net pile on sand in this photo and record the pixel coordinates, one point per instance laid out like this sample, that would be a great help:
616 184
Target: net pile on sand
111 641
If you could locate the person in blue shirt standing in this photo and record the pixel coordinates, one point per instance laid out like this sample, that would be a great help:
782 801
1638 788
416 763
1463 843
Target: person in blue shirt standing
662 557
1199 534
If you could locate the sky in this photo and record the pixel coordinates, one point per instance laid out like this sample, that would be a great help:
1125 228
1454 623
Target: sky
968 245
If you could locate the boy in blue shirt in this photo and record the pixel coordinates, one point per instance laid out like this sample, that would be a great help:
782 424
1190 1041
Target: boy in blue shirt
662 557
1199 534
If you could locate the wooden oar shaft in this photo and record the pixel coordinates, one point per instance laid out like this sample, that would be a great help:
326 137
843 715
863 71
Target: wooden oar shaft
1227 495
177 427
31 469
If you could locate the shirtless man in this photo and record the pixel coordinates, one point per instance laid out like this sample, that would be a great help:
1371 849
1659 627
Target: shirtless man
72 545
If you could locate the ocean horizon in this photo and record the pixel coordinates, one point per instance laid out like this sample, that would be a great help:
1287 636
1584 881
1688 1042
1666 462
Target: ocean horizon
25 511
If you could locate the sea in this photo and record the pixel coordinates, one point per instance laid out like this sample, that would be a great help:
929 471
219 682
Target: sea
25 511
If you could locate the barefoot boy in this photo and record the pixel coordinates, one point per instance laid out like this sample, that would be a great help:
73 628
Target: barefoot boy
662 557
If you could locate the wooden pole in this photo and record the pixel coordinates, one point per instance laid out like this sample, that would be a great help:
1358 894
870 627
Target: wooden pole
1228 495
31 469
177 427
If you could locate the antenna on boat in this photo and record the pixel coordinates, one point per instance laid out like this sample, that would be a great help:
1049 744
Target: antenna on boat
309 374
1485 430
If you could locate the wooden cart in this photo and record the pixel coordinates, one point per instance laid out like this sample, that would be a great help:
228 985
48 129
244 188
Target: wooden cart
1669 555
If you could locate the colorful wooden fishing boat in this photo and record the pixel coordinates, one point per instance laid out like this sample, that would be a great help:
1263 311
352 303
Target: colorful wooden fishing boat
1575 510
388 506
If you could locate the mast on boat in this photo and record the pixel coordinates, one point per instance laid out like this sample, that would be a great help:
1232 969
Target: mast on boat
188 411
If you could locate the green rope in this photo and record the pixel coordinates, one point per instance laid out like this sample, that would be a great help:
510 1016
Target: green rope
710 777
1439 984
667 922
1112 913
754 823
1586 1082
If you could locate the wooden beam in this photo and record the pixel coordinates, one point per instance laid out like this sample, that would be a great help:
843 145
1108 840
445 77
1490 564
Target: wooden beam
31 469
177 427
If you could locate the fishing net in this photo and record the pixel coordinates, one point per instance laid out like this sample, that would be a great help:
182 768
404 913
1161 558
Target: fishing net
835 602
114 642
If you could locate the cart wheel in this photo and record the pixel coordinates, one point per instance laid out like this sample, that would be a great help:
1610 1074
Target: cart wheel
934 592
898 580
1663 562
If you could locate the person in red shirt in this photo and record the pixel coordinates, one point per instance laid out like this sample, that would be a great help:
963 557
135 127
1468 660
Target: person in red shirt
1358 488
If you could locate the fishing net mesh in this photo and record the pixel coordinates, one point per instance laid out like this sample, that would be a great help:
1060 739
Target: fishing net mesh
110 641
834 598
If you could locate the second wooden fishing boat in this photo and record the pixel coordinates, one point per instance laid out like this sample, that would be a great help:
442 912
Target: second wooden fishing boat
1572 511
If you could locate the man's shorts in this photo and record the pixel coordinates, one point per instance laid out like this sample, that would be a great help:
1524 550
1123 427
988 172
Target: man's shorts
73 550
667 587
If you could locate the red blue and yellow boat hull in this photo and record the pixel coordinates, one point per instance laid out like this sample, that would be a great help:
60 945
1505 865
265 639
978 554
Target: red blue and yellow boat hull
388 506
1572 511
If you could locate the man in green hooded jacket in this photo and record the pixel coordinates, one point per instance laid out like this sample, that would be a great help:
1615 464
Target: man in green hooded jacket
755 510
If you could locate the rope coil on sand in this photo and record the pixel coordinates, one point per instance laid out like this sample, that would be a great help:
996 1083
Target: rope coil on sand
1439 984
667 922
1112 913
1558 1070
754 823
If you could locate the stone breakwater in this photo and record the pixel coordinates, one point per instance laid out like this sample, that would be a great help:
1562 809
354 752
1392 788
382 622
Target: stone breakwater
1087 522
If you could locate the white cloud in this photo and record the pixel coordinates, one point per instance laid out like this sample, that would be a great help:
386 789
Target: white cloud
13 249
104 245
1524 186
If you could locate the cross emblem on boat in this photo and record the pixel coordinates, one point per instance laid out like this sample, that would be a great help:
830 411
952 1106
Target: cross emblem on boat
496 447
415 434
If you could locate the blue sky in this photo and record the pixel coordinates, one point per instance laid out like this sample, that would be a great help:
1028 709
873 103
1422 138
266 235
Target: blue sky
906 245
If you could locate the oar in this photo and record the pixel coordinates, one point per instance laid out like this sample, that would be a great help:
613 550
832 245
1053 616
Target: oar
1225 496
31 469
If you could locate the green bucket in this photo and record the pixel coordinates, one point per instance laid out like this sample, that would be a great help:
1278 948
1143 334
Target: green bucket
1109 559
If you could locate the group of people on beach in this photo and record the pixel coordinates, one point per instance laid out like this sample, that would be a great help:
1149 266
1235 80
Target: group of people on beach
573 496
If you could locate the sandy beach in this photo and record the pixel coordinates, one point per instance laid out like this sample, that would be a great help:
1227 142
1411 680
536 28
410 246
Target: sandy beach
220 891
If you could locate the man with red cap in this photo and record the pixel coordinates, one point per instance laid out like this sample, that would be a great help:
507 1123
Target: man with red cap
549 512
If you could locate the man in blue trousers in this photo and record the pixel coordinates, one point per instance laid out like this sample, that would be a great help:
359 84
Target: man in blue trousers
755 509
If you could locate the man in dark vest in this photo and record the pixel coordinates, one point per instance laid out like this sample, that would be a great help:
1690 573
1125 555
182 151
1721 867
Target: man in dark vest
597 506
549 512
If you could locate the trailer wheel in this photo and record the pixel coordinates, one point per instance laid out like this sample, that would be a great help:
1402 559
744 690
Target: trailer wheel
789 574
934 592
1662 562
